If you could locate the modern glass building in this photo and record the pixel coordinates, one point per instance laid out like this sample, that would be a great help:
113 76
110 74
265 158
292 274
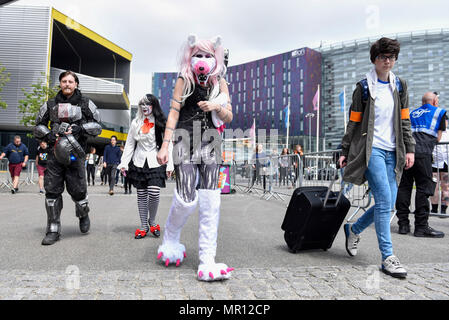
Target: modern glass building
260 90
423 63
38 43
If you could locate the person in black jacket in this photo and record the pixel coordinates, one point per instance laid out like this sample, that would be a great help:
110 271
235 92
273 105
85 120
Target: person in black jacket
111 159
72 119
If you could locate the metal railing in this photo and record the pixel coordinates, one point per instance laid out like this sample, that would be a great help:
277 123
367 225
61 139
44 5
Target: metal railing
5 177
441 177
28 175
320 168
268 177
276 177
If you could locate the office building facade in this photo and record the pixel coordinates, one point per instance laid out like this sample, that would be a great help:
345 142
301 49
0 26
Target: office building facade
37 44
261 89
423 63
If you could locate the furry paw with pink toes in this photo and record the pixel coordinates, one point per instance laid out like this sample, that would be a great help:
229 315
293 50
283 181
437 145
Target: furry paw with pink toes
214 272
171 253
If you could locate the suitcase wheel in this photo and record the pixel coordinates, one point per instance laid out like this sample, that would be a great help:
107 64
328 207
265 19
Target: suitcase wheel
291 240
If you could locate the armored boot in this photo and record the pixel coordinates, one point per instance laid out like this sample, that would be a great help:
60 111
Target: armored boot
82 212
53 207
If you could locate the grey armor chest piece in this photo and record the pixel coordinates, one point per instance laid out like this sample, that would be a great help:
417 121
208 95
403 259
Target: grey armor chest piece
65 112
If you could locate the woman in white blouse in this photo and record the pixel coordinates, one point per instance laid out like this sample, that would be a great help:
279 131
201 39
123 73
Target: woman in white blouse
139 162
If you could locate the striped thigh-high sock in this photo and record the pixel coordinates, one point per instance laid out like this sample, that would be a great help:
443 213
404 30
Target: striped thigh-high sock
142 204
153 203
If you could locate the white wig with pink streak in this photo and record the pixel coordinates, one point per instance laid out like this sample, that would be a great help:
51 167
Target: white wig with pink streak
192 46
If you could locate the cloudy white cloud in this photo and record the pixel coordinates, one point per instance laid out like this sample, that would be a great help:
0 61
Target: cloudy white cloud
153 30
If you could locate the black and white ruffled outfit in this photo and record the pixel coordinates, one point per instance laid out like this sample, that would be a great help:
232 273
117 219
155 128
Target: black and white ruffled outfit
144 172
139 157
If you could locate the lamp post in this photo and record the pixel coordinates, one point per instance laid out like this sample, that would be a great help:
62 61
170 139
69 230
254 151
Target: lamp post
310 116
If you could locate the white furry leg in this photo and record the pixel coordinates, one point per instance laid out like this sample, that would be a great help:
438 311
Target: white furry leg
171 250
209 216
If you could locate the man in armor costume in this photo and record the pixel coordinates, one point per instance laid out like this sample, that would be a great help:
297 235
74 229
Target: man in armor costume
65 123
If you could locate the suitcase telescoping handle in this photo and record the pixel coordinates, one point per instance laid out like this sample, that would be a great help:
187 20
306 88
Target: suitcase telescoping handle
335 178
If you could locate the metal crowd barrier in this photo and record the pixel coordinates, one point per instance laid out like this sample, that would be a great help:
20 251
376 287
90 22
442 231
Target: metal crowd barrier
27 176
30 173
268 177
441 177
5 177
284 173
318 169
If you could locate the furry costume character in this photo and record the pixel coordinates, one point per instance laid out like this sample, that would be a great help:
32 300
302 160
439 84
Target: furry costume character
200 100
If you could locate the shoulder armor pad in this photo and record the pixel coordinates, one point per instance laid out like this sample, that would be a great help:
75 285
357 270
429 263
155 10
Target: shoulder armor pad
41 112
94 110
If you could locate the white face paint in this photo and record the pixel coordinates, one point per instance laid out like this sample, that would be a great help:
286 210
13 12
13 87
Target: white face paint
147 110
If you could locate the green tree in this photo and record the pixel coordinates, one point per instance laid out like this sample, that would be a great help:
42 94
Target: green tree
31 104
4 78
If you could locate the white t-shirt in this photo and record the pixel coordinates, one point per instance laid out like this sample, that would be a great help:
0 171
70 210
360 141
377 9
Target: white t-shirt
91 159
384 135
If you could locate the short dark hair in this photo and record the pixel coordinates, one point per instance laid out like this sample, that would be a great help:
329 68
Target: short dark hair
384 45
114 137
69 73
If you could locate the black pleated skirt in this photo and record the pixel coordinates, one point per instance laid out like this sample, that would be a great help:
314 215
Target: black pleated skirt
141 178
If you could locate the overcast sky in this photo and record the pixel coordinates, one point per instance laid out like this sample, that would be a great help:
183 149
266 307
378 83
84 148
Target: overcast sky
154 30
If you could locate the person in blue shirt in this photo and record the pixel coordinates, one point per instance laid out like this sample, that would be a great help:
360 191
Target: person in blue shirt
111 159
428 122
17 154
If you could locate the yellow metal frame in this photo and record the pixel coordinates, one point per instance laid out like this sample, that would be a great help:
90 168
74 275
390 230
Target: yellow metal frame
70 23
107 134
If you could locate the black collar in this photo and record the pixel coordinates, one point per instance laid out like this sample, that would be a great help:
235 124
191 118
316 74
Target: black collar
75 99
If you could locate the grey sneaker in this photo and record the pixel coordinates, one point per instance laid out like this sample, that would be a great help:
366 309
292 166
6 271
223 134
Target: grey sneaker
393 267
352 240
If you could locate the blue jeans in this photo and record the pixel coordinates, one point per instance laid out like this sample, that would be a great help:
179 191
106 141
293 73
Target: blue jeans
382 182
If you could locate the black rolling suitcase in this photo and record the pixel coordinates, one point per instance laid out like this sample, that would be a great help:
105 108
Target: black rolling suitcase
314 217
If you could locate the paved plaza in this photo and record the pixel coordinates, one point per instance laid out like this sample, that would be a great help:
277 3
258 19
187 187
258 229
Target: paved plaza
108 263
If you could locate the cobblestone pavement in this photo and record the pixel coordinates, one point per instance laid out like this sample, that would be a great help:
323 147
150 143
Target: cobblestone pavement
109 264
425 282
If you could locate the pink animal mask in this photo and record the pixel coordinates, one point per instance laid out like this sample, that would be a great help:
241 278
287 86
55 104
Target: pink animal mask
202 64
